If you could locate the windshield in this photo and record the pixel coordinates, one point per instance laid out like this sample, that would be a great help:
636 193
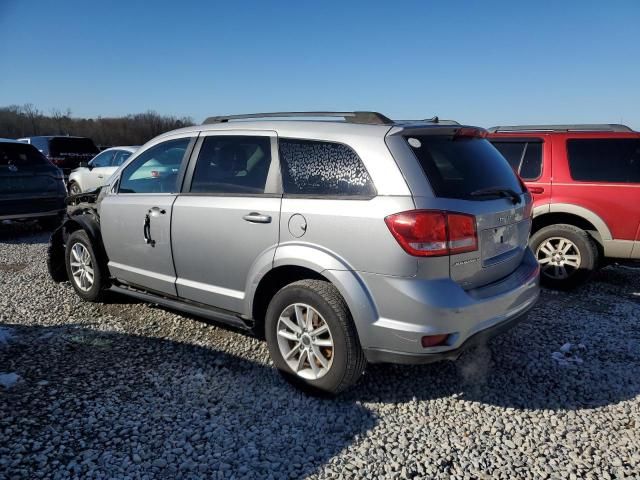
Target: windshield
64 145
458 167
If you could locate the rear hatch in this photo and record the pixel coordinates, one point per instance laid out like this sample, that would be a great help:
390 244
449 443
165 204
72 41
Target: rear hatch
29 183
468 176
68 152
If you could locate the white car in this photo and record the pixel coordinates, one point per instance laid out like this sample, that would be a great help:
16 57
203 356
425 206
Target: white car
98 170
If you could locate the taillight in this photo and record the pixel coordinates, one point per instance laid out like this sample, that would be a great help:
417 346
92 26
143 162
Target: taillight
432 233
56 160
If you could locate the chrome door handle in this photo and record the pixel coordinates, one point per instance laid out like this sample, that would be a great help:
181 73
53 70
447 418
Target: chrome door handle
155 211
255 217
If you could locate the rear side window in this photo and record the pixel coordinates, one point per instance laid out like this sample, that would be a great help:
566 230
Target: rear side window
104 159
66 145
457 167
605 160
20 154
323 169
524 157
232 164
155 170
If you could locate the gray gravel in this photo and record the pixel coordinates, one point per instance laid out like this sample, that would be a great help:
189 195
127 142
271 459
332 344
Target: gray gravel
127 390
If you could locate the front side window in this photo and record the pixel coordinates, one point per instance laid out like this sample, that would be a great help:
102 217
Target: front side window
232 164
605 160
155 170
120 157
104 159
322 169
525 157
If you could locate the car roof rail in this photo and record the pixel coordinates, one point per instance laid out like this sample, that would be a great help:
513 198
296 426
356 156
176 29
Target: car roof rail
585 127
371 118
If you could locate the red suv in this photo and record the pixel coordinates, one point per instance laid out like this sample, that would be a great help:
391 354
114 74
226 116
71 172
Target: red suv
585 181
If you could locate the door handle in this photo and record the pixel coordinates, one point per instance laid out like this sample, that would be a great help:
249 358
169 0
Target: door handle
536 189
255 217
146 231
146 228
100 176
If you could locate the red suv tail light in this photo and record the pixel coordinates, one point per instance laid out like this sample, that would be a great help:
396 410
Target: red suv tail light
432 233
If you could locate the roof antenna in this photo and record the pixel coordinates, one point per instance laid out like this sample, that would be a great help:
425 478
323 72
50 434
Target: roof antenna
433 119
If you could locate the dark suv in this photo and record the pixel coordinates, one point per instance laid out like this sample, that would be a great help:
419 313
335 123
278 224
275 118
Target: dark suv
64 152
30 186
585 181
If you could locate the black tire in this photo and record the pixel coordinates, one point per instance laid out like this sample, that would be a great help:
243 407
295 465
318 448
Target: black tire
96 291
348 360
74 188
583 246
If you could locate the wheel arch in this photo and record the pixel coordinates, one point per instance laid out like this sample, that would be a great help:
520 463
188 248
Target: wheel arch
577 216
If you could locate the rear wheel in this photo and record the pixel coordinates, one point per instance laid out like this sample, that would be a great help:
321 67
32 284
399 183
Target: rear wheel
312 339
83 269
567 255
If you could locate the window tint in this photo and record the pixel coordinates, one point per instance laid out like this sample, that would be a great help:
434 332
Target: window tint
120 157
457 167
232 164
66 145
156 170
104 159
524 157
531 166
322 168
605 160
20 154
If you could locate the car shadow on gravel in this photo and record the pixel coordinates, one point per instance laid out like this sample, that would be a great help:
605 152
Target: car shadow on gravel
576 350
92 402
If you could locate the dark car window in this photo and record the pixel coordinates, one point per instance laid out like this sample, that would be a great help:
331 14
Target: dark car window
155 170
232 164
323 169
120 157
66 145
524 157
456 167
104 159
20 154
605 160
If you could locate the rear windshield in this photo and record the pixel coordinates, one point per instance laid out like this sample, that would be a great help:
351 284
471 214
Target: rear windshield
457 167
62 145
20 154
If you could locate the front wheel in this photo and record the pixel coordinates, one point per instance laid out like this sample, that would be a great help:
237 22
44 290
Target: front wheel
567 255
83 269
74 188
312 339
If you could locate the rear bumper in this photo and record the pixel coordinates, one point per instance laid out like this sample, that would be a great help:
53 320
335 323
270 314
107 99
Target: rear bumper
385 356
410 308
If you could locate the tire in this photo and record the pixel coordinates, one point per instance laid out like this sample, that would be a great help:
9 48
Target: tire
345 360
74 188
80 241
567 255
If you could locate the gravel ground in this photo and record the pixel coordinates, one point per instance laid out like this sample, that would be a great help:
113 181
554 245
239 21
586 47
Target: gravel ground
128 390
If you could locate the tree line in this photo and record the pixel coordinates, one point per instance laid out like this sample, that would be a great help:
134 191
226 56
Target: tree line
17 121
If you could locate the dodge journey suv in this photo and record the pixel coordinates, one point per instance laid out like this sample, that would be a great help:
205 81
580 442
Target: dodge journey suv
341 242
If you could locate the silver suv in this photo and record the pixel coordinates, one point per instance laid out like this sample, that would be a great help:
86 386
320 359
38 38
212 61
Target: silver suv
342 242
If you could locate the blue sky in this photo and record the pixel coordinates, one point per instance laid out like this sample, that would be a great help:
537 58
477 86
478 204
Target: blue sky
480 62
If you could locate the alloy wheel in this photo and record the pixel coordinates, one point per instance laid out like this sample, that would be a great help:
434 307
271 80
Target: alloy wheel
305 341
558 257
81 267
